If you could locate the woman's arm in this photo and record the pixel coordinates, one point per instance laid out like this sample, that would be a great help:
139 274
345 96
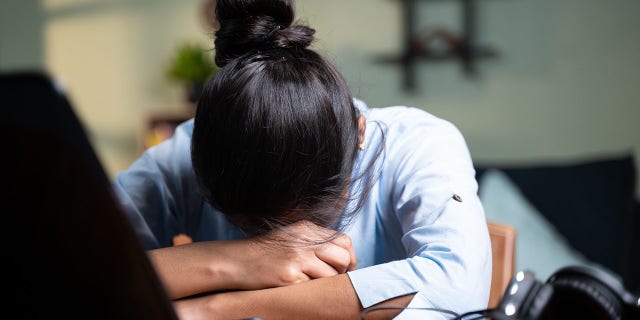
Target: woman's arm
278 258
429 224
325 298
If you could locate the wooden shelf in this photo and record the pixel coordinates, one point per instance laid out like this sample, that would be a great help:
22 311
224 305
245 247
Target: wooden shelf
461 47
478 53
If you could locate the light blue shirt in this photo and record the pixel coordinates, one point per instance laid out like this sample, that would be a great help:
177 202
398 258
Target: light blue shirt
411 235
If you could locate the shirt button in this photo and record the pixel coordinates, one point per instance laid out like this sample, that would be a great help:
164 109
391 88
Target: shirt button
457 198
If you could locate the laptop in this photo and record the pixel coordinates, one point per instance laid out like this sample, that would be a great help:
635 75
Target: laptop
69 251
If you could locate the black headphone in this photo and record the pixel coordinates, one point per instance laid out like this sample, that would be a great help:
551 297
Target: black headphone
574 292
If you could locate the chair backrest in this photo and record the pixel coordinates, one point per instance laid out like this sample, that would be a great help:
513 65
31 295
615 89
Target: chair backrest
503 240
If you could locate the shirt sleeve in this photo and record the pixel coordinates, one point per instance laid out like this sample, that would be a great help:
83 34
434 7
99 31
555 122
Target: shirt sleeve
158 191
428 184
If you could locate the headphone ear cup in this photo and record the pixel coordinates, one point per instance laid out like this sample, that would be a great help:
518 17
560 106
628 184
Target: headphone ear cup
580 296
537 302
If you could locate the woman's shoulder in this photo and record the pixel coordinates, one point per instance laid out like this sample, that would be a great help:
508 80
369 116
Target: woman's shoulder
402 119
399 115
185 128
174 152
407 132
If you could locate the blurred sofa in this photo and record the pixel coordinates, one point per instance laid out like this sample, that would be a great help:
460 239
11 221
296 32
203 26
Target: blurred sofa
584 212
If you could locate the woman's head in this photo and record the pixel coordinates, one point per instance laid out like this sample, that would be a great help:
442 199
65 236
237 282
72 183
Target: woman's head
276 132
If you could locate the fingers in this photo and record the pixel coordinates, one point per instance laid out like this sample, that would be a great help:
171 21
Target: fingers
307 251
316 268
335 256
344 242
353 261
302 277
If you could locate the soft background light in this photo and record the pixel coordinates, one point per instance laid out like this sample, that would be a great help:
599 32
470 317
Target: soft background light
565 87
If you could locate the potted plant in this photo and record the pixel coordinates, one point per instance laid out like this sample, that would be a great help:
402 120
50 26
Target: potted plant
192 65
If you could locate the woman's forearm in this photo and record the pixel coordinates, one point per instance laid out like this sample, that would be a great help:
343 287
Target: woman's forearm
253 263
325 298
192 269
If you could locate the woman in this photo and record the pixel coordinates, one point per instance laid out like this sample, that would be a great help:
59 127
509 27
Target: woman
301 201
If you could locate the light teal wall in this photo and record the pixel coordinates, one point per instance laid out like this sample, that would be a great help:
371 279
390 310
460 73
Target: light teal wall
21 39
566 84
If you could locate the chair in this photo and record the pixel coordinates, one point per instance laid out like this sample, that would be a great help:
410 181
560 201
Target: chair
503 239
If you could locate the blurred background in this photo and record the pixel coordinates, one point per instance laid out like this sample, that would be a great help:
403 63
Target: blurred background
562 88
565 82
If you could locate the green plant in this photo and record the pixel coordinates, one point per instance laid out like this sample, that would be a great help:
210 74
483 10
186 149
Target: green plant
192 64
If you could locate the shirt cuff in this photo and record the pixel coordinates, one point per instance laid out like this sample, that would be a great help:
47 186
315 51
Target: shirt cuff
417 310
382 282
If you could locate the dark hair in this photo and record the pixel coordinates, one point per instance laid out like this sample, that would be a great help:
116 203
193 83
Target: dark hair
276 132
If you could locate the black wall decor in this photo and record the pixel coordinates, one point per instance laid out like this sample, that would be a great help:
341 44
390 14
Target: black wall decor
438 44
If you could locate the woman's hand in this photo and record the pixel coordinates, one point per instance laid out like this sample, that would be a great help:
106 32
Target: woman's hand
291 255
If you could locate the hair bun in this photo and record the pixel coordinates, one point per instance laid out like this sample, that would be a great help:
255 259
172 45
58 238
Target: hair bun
247 25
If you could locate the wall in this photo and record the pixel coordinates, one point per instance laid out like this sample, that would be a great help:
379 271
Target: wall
564 87
21 39
112 57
